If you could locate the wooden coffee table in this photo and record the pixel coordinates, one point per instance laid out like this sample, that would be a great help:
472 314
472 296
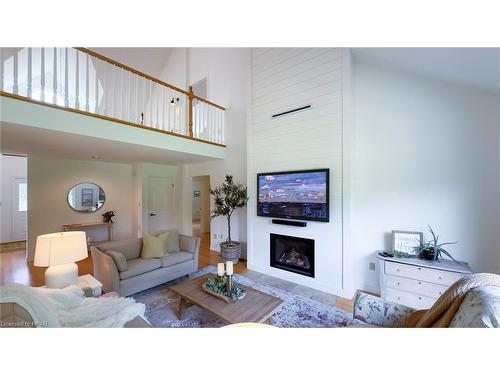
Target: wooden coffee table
256 307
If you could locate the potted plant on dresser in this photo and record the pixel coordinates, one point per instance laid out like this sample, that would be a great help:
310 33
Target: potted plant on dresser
228 197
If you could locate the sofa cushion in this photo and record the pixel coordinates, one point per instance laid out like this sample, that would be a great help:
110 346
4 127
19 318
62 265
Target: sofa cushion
172 240
119 259
480 308
139 266
154 246
131 248
176 258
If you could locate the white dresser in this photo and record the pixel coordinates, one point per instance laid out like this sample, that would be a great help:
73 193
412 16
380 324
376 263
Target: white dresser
418 283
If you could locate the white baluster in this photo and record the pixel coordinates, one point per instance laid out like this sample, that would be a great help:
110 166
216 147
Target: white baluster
96 87
112 109
168 125
207 123
30 72
119 93
158 105
210 114
105 91
196 110
77 81
164 107
223 134
42 74
136 112
216 115
220 113
66 78
87 82
15 73
142 112
129 97
125 95
150 106
54 78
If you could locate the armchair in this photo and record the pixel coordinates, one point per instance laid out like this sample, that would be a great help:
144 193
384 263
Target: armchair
479 309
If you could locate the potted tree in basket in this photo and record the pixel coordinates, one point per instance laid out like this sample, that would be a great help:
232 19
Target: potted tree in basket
228 197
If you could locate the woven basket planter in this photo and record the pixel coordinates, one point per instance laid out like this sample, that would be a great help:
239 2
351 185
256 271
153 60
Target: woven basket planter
230 251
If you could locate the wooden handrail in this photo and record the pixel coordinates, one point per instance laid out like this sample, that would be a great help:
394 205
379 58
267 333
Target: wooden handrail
190 94
107 118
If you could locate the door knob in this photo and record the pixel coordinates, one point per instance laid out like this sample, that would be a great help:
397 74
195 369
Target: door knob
152 214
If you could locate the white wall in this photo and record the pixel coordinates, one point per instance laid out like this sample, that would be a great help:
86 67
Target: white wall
11 167
425 153
49 181
283 79
125 186
227 70
174 71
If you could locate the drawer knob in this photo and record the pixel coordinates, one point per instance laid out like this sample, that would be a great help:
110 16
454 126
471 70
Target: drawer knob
440 293
419 297
419 283
439 277
399 298
419 268
397 269
398 282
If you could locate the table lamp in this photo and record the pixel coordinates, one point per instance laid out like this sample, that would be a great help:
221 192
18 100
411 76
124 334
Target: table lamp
59 251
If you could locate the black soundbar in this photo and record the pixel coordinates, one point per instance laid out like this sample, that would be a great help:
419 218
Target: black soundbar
289 222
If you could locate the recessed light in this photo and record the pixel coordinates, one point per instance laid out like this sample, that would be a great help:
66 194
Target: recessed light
95 157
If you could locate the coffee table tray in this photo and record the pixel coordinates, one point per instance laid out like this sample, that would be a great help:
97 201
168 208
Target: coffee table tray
220 296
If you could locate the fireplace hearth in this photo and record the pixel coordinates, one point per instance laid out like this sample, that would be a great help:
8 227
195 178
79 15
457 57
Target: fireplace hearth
292 254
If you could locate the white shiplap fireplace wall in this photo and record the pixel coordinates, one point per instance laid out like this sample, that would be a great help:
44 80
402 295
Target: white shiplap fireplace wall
283 79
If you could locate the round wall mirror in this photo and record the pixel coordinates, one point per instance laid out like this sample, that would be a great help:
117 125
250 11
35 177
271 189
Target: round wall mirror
86 197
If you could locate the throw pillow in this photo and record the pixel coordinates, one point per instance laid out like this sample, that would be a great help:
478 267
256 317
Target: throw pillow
154 246
119 259
173 241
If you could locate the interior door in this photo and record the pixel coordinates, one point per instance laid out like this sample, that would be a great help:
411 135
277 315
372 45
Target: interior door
160 204
19 208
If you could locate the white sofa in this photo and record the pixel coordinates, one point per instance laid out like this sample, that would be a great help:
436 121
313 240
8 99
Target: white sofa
140 273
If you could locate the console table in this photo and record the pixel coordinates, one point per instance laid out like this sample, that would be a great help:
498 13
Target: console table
83 226
418 283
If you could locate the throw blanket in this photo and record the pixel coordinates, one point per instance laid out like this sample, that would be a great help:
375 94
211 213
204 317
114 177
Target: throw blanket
442 312
69 307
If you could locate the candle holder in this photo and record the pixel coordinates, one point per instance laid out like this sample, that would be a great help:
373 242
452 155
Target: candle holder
229 284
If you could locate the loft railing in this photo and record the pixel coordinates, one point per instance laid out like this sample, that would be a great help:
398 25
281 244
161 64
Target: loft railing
86 82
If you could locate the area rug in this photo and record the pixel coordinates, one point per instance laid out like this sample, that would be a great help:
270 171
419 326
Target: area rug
297 311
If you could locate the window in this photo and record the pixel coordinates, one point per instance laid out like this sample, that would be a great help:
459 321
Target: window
23 196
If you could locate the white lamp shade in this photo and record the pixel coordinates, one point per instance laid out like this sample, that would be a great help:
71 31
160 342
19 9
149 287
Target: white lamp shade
60 248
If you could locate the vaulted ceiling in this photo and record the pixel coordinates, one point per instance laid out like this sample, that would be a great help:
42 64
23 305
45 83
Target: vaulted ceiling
475 67
147 60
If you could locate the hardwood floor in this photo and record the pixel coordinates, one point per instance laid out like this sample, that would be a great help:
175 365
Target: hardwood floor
15 269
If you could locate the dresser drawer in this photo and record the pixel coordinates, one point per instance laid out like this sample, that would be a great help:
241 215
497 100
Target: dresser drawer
409 299
430 275
422 288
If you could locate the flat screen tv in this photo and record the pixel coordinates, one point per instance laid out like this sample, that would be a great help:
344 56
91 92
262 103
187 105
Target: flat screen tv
301 195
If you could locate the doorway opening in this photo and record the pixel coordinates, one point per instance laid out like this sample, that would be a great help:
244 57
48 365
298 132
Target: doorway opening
201 206
14 206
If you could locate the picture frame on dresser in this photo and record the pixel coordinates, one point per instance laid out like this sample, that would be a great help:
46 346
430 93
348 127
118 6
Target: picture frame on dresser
405 243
